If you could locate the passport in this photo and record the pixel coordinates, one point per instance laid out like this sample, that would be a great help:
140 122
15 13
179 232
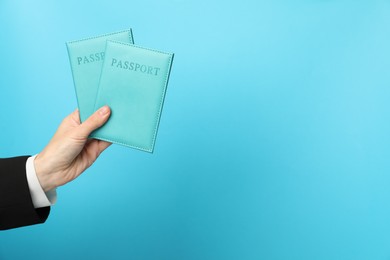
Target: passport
86 58
133 84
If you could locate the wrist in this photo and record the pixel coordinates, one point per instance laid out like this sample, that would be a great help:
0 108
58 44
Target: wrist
43 171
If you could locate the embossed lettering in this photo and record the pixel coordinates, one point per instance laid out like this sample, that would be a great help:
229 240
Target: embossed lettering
90 58
136 67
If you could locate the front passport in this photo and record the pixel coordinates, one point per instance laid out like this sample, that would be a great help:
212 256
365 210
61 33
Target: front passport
133 83
86 58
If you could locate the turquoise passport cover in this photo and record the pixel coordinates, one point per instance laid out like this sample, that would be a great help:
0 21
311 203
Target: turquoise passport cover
133 83
86 58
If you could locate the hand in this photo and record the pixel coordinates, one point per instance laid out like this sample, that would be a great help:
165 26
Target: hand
70 152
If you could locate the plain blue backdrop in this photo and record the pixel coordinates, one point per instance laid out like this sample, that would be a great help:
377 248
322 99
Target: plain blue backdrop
274 141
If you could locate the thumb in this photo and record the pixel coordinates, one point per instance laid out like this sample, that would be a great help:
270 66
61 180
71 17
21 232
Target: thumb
95 121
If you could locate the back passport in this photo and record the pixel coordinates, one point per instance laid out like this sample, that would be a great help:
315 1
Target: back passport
86 58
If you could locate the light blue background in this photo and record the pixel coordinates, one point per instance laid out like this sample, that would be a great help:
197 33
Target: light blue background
274 141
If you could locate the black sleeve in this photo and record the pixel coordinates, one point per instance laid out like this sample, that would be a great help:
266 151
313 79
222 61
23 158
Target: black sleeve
16 207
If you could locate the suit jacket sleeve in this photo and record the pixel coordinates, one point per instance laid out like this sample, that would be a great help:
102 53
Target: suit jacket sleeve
16 207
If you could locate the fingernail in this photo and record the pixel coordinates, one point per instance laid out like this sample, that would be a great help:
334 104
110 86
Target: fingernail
104 110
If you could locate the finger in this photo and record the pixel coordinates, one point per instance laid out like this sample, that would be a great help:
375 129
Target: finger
75 116
95 121
69 122
103 145
98 145
92 151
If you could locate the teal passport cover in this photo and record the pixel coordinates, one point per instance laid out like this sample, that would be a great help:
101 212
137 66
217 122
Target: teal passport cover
133 83
86 58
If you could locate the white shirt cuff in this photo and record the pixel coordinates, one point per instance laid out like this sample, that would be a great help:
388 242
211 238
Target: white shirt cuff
39 197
